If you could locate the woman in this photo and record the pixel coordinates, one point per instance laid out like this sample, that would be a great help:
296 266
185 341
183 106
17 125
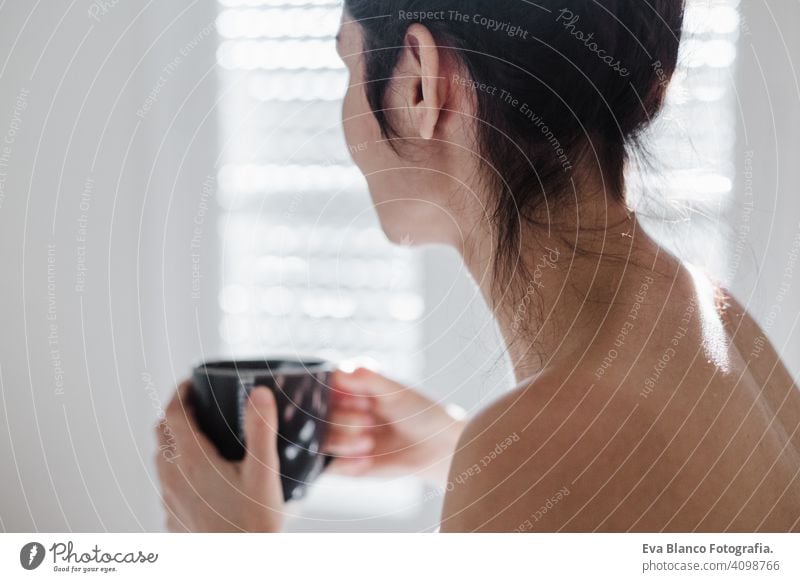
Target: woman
648 399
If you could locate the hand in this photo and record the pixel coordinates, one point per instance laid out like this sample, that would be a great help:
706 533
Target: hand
202 491
379 427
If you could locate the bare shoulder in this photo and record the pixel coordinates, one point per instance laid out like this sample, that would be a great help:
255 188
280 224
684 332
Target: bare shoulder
564 453
516 462
752 343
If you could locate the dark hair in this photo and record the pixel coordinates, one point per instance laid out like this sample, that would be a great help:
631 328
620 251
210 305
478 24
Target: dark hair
587 77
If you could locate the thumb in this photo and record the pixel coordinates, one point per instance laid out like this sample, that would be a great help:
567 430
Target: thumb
261 465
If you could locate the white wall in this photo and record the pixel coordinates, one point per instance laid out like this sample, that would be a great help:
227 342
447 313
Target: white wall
767 217
84 371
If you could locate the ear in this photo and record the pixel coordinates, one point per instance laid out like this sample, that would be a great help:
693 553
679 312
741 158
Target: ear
421 80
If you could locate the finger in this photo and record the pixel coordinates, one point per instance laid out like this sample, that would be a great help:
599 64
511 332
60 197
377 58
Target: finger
179 411
180 400
342 397
166 459
179 430
350 421
261 464
388 398
166 478
351 467
165 436
342 400
364 382
173 521
171 445
348 445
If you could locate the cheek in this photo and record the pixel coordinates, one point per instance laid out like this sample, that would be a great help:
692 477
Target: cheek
361 130
352 120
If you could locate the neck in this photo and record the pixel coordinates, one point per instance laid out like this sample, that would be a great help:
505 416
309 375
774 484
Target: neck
561 291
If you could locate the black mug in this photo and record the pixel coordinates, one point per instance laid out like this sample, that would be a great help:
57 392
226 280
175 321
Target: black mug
220 390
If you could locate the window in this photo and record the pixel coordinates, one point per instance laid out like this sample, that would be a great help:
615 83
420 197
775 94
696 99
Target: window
306 268
689 193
